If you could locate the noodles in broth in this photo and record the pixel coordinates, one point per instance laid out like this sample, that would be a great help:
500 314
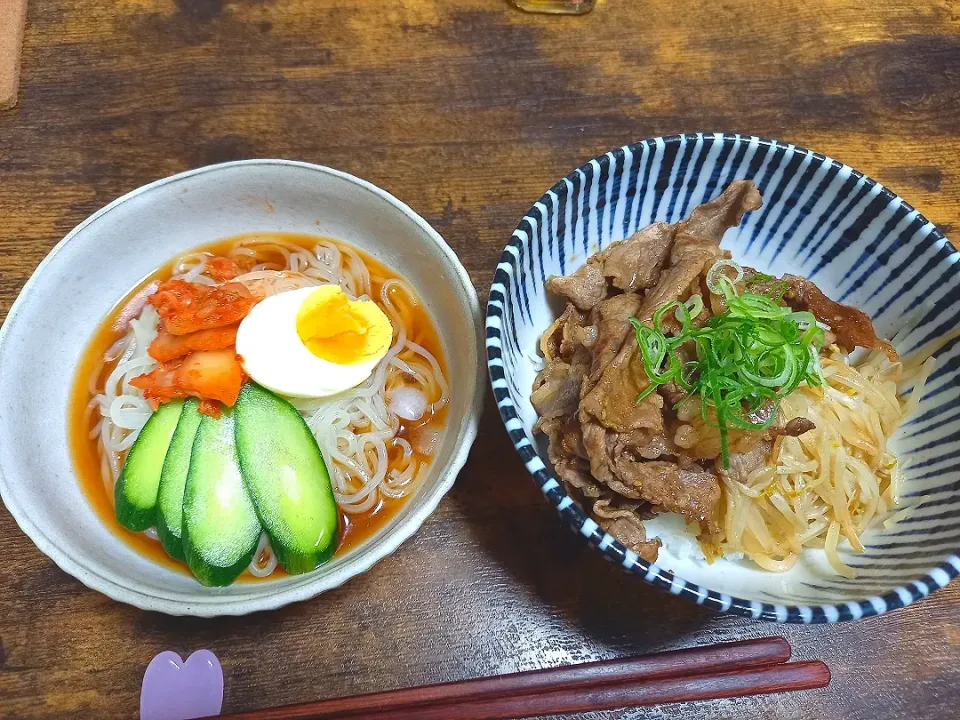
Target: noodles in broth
376 438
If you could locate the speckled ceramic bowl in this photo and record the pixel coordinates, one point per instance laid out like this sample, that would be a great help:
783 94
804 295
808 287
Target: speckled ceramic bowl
821 219
51 322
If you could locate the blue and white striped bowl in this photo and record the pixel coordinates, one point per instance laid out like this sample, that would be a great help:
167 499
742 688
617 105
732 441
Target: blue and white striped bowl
860 243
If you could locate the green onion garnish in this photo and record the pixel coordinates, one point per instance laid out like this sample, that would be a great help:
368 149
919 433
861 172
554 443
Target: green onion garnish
758 278
751 355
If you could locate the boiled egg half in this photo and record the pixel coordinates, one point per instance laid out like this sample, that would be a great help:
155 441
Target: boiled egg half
313 342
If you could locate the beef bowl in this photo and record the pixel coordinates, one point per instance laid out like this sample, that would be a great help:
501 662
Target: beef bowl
730 364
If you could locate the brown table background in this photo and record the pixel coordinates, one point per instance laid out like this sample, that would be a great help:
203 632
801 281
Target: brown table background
467 110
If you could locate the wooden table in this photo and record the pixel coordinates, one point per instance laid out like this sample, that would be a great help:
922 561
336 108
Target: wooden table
467 110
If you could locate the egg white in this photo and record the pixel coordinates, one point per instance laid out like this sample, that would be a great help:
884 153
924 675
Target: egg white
274 356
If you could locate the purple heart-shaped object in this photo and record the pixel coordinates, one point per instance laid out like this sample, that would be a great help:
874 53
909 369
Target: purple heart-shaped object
177 690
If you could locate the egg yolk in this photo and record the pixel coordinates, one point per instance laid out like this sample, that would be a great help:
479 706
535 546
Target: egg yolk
340 330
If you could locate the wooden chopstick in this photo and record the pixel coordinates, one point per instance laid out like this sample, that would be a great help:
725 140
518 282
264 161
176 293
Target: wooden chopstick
580 680
757 681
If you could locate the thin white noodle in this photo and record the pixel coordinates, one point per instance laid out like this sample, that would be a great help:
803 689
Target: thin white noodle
905 513
262 570
356 431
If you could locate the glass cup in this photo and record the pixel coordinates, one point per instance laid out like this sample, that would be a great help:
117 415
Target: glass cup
556 7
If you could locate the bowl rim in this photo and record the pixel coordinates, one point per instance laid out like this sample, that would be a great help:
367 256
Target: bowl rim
899 596
365 557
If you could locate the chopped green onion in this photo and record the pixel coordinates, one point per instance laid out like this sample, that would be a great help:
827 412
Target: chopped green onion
694 306
717 282
752 355
758 278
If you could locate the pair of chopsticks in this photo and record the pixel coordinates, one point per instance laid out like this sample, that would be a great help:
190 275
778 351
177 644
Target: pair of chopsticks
749 667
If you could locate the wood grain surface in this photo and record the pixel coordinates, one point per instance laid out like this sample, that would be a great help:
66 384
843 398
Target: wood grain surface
467 110
13 14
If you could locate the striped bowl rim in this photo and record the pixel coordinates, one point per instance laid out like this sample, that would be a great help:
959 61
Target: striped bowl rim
900 596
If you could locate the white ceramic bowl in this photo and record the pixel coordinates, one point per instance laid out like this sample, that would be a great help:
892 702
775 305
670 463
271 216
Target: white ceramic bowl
71 291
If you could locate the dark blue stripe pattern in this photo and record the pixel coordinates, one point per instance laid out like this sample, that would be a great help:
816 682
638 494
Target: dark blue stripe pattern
820 218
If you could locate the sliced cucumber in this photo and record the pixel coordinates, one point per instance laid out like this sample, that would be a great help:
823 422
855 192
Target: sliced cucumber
287 479
220 527
173 479
135 493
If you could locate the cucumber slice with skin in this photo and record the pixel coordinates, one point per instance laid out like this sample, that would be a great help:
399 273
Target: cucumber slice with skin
135 493
173 480
286 478
220 528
